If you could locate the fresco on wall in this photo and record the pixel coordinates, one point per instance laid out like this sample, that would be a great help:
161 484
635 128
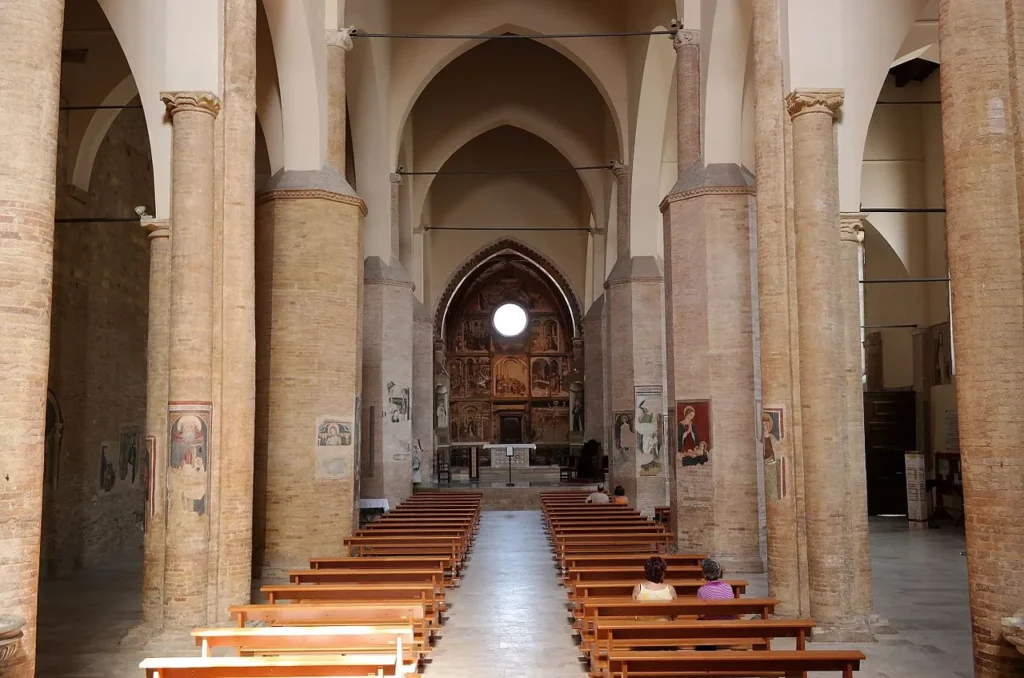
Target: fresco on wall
128 453
772 433
396 408
510 377
576 422
942 354
107 473
549 377
441 406
545 335
471 377
474 336
693 431
188 460
471 422
147 477
649 426
624 437
549 424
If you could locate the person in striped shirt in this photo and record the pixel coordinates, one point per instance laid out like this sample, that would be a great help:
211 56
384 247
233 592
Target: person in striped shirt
714 588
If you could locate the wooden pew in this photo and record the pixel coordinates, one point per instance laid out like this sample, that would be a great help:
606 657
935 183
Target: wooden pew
685 588
739 664
591 611
636 559
433 576
304 666
663 514
405 545
338 613
277 640
422 594
629 634
617 573
605 542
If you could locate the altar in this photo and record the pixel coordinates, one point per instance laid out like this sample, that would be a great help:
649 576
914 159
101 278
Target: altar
517 455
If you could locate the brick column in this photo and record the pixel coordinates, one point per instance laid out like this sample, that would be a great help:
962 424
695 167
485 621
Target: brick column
30 44
709 340
237 403
622 229
822 369
787 564
338 43
851 236
189 457
308 251
423 406
983 240
157 347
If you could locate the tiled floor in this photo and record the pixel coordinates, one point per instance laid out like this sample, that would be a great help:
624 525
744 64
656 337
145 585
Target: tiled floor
508 616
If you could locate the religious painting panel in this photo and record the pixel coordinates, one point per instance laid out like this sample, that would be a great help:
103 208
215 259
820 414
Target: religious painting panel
576 423
942 354
516 344
188 461
549 423
511 377
546 335
128 453
548 377
397 406
441 406
471 377
693 432
107 473
772 435
471 422
147 477
623 435
648 418
335 449
474 336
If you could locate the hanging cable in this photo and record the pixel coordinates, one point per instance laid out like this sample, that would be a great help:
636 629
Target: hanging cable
99 108
94 220
356 33
903 280
527 170
506 228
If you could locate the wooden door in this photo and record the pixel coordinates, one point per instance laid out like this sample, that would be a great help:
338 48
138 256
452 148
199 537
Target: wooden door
889 432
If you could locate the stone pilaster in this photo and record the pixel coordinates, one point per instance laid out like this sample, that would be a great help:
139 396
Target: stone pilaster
595 423
710 349
157 346
30 61
822 368
851 237
236 406
787 561
387 379
423 405
308 261
983 241
339 42
189 454
622 202
634 295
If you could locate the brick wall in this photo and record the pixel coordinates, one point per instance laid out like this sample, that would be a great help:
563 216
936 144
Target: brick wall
98 358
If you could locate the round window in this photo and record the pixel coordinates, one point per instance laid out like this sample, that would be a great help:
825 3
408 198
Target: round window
510 320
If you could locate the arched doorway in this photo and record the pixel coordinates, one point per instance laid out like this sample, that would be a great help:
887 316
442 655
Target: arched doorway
510 331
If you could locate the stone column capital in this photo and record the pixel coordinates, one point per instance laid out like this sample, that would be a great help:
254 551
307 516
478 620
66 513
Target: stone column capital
395 178
803 101
157 228
204 102
851 226
683 38
620 170
340 38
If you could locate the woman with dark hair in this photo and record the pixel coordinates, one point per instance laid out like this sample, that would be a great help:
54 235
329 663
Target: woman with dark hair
620 495
654 588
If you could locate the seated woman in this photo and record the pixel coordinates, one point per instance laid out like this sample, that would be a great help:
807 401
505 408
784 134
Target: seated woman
714 588
620 495
654 588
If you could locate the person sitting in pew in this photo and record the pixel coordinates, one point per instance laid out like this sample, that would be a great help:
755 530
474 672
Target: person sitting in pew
620 495
655 588
598 496
715 588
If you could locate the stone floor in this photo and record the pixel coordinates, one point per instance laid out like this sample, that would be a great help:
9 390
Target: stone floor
509 613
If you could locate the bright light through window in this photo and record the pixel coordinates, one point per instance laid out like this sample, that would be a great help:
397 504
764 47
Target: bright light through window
510 320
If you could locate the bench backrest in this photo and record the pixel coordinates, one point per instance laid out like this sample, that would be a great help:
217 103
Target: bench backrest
334 613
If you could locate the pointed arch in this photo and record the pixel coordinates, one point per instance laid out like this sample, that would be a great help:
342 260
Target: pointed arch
506 245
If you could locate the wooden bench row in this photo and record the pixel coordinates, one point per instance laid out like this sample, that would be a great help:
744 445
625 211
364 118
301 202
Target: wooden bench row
375 612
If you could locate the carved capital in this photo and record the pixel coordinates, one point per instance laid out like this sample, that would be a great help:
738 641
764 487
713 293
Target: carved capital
620 170
396 178
341 38
851 226
684 38
803 101
204 102
157 228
